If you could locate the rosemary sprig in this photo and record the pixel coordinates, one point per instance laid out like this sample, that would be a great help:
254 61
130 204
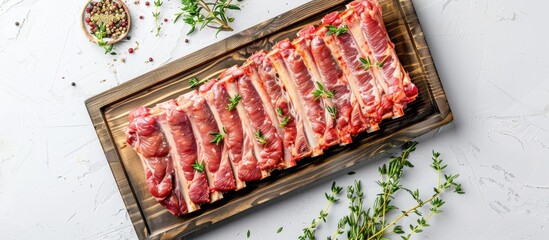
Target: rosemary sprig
260 138
156 16
198 166
233 101
322 91
284 120
218 136
366 64
100 34
194 82
309 232
332 110
336 30
207 14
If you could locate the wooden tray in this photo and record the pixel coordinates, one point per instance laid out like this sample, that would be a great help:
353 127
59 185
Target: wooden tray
109 111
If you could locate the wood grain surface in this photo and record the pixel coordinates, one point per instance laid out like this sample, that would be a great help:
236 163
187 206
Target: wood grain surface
109 111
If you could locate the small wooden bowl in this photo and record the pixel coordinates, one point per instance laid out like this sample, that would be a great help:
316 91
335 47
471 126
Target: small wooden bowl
86 28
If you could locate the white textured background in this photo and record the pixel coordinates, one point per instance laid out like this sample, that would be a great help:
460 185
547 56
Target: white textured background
491 56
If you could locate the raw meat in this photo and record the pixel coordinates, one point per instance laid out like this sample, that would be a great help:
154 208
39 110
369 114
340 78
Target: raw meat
249 167
361 78
268 143
349 120
218 99
217 166
269 84
302 46
394 80
145 137
331 83
178 131
299 83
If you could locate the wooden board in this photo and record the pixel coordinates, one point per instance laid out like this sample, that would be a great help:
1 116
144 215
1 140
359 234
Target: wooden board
109 111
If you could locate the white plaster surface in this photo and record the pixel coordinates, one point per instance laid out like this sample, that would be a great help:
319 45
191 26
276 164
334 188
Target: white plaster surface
491 56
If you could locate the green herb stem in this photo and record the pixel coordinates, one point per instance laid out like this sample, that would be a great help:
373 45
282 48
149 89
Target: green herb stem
224 25
207 14
309 232
156 16
404 214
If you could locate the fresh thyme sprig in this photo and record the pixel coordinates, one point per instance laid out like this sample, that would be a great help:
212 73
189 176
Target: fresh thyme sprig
332 110
435 201
260 138
336 30
198 166
207 14
156 16
371 223
322 91
100 34
195 82
218 136
233 101
284 120
366 64
309 232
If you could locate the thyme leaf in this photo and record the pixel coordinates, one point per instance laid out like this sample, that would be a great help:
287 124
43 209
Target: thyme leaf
336 30
156 16
366 64
233 101
260 138
198 166
309 231
332 111
218 137
194 82
321 91
212 14
371 222
284 120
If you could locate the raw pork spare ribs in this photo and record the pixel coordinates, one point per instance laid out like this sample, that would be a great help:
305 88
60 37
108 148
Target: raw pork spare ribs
332 82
